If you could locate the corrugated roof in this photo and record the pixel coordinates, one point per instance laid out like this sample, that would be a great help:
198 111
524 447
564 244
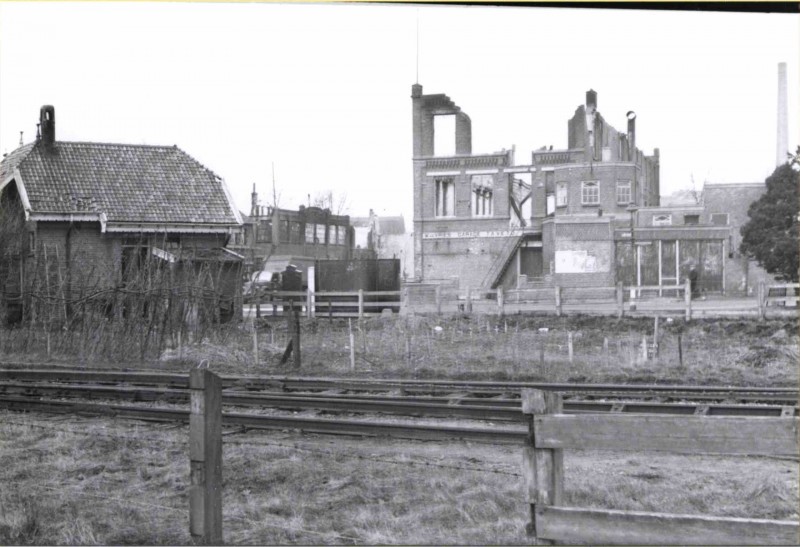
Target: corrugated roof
129 183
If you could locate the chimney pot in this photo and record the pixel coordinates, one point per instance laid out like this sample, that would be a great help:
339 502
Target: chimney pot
47 121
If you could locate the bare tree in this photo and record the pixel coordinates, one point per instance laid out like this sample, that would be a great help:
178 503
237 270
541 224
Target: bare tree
326 199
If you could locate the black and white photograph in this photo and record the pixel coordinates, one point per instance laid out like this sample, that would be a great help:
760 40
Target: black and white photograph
432 273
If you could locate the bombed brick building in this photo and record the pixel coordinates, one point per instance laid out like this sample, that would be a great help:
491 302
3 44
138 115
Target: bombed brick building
310 232
587 215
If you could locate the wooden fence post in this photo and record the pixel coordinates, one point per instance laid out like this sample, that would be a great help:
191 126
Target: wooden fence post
761 294
501 301
558 301
542 469
541 353
255 344
205 454
295 329
687 292
258 304
309 304
438 299
569 346
352 344
620 301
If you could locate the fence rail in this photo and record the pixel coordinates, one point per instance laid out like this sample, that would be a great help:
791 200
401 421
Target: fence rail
551 431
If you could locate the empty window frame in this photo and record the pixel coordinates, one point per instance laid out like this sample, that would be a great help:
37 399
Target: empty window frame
590 193
321 232
719 219
624 192
482 195
561 194
311 230
445 197
341 235
691 220
264 230
662 220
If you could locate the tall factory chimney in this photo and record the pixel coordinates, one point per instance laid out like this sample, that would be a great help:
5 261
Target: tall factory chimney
783 118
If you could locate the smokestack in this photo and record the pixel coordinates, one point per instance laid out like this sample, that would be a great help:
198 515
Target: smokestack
47 120
783 118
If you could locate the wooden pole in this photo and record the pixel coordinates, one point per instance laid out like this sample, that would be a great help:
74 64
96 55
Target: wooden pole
309 304
541 352
258 304
760 295
558 301
205 454
255 344
352 344
360 303
295 318
620 300
501 301
655 337
569 345
680 351
644 348
687 291
542 469
438 299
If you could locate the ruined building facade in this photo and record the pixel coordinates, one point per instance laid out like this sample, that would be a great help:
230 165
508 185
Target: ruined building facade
584 216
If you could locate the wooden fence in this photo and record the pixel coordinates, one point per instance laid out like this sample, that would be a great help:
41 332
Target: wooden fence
617 300
329 304
786 293
550 432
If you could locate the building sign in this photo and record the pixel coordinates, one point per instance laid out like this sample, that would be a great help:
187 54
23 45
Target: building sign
468 234
583 257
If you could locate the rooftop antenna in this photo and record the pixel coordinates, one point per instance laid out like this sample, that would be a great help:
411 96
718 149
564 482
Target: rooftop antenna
417 45
274 192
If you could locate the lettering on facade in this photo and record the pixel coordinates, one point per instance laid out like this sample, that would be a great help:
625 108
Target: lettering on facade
469 234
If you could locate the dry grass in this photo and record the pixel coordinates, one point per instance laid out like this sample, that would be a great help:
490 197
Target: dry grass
714 351
97 481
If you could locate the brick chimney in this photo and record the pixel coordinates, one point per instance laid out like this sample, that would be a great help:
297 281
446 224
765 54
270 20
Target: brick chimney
47 122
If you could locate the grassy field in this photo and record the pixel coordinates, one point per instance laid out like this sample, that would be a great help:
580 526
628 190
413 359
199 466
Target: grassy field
71 480
712 351
99 481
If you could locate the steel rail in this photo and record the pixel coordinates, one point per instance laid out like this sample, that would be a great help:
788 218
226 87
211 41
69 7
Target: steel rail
404 385
256 421
431 406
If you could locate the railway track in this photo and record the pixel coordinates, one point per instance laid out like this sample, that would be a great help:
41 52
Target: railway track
418 388
499 408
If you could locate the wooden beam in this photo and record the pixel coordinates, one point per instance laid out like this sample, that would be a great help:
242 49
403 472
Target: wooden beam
677 434
599 526
205 455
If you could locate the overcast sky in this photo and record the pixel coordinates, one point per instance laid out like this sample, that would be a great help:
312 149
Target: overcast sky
323 91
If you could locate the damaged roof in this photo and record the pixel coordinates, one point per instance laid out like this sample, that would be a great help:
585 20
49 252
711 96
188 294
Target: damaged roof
128 183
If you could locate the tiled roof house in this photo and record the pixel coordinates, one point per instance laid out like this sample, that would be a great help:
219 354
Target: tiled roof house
100 198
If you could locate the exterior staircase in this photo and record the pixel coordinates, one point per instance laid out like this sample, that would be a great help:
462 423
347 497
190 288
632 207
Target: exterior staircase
495 273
